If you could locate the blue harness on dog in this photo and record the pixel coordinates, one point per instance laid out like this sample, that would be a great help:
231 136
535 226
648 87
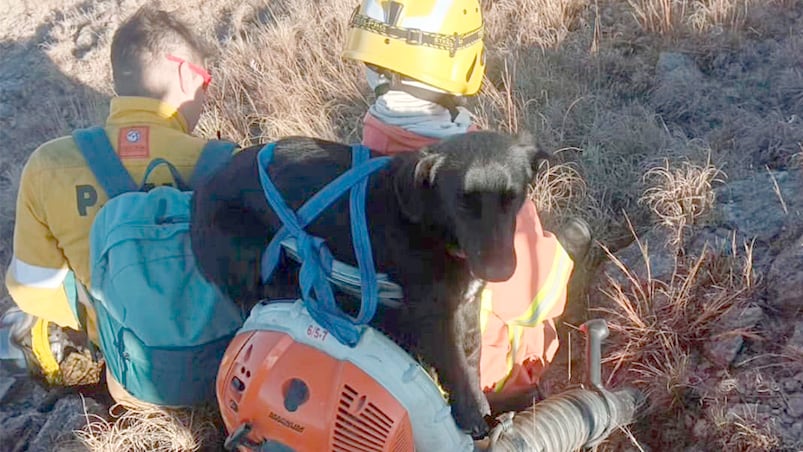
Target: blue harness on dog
318 268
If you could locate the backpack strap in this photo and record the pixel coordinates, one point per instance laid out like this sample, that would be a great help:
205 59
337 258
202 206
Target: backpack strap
103 161
155 163
215 154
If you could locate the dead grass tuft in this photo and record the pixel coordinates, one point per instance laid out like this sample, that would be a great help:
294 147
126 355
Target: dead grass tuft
151 429
744 431
681 195
559 190
662 321
658 16
660 329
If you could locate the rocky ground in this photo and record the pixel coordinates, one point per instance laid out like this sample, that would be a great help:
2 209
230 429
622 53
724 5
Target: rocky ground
745 375
726 368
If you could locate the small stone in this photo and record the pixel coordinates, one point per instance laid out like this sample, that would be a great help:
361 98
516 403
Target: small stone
677 67
794 406
748 317
785 286
751 207
791 385
66 417
723 351
661 259
85 39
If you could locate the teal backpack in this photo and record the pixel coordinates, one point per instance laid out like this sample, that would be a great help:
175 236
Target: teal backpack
163 327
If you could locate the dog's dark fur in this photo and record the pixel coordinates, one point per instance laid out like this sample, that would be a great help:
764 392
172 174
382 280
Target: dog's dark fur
441 221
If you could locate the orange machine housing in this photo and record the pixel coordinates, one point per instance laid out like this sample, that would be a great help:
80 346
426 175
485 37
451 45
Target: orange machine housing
299 397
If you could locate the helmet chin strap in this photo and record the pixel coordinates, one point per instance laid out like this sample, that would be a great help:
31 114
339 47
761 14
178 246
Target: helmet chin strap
448 101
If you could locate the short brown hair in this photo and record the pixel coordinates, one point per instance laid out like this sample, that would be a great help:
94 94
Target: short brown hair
140 39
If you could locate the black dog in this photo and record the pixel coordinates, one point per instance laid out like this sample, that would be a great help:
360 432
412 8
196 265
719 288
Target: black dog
441 221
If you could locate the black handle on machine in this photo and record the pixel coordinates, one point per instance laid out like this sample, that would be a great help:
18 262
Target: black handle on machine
595 330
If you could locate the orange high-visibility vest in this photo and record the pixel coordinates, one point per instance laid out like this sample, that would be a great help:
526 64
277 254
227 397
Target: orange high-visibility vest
519 338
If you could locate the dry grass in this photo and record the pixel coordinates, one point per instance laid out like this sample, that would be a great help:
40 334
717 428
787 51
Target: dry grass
577 73
515 24
670 16
286 77
664 319
658 16
151 429
500 107
560 191
745 431
659 329
681 195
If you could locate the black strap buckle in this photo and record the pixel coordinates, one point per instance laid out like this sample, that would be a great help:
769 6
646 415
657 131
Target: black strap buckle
415 36
238 438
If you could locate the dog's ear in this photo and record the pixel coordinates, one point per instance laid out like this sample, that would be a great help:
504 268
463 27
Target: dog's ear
525 145
412 182
427 168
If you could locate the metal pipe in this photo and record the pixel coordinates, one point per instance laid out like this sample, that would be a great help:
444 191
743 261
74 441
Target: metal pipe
596 330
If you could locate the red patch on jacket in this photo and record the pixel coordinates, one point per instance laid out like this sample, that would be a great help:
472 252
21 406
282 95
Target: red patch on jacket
134 143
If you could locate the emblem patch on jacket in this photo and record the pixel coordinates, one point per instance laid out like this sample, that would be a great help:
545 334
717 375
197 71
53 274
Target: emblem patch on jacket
134 143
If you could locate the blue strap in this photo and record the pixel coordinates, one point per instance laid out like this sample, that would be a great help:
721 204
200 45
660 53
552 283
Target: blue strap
360 239
316 259
215 155
71 291
103 161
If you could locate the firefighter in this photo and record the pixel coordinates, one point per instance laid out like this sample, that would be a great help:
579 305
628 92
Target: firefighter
160 80
423 59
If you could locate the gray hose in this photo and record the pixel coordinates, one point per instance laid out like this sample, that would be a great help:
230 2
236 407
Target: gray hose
575 419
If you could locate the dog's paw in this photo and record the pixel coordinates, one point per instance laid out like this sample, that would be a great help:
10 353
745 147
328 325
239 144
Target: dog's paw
471 422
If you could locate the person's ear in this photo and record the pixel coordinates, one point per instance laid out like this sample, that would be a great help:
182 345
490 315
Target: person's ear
190 82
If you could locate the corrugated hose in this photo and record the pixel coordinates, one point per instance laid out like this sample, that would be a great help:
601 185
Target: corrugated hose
575 419
579 418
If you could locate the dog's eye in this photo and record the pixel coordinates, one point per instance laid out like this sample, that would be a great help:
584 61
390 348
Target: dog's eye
507 199
470 202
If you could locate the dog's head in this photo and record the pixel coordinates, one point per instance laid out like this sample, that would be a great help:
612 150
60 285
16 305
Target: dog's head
473 185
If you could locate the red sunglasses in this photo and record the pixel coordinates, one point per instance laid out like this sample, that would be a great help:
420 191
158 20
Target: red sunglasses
194 68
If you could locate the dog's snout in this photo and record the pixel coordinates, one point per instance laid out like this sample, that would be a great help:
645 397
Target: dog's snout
500 272
493 268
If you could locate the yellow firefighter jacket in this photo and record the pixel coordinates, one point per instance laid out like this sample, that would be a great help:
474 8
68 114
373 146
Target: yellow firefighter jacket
59 197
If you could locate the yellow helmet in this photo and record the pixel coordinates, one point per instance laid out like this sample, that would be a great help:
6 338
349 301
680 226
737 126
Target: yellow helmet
437 42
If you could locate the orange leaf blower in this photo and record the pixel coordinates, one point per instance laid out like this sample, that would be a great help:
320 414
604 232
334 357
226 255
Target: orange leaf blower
287 384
